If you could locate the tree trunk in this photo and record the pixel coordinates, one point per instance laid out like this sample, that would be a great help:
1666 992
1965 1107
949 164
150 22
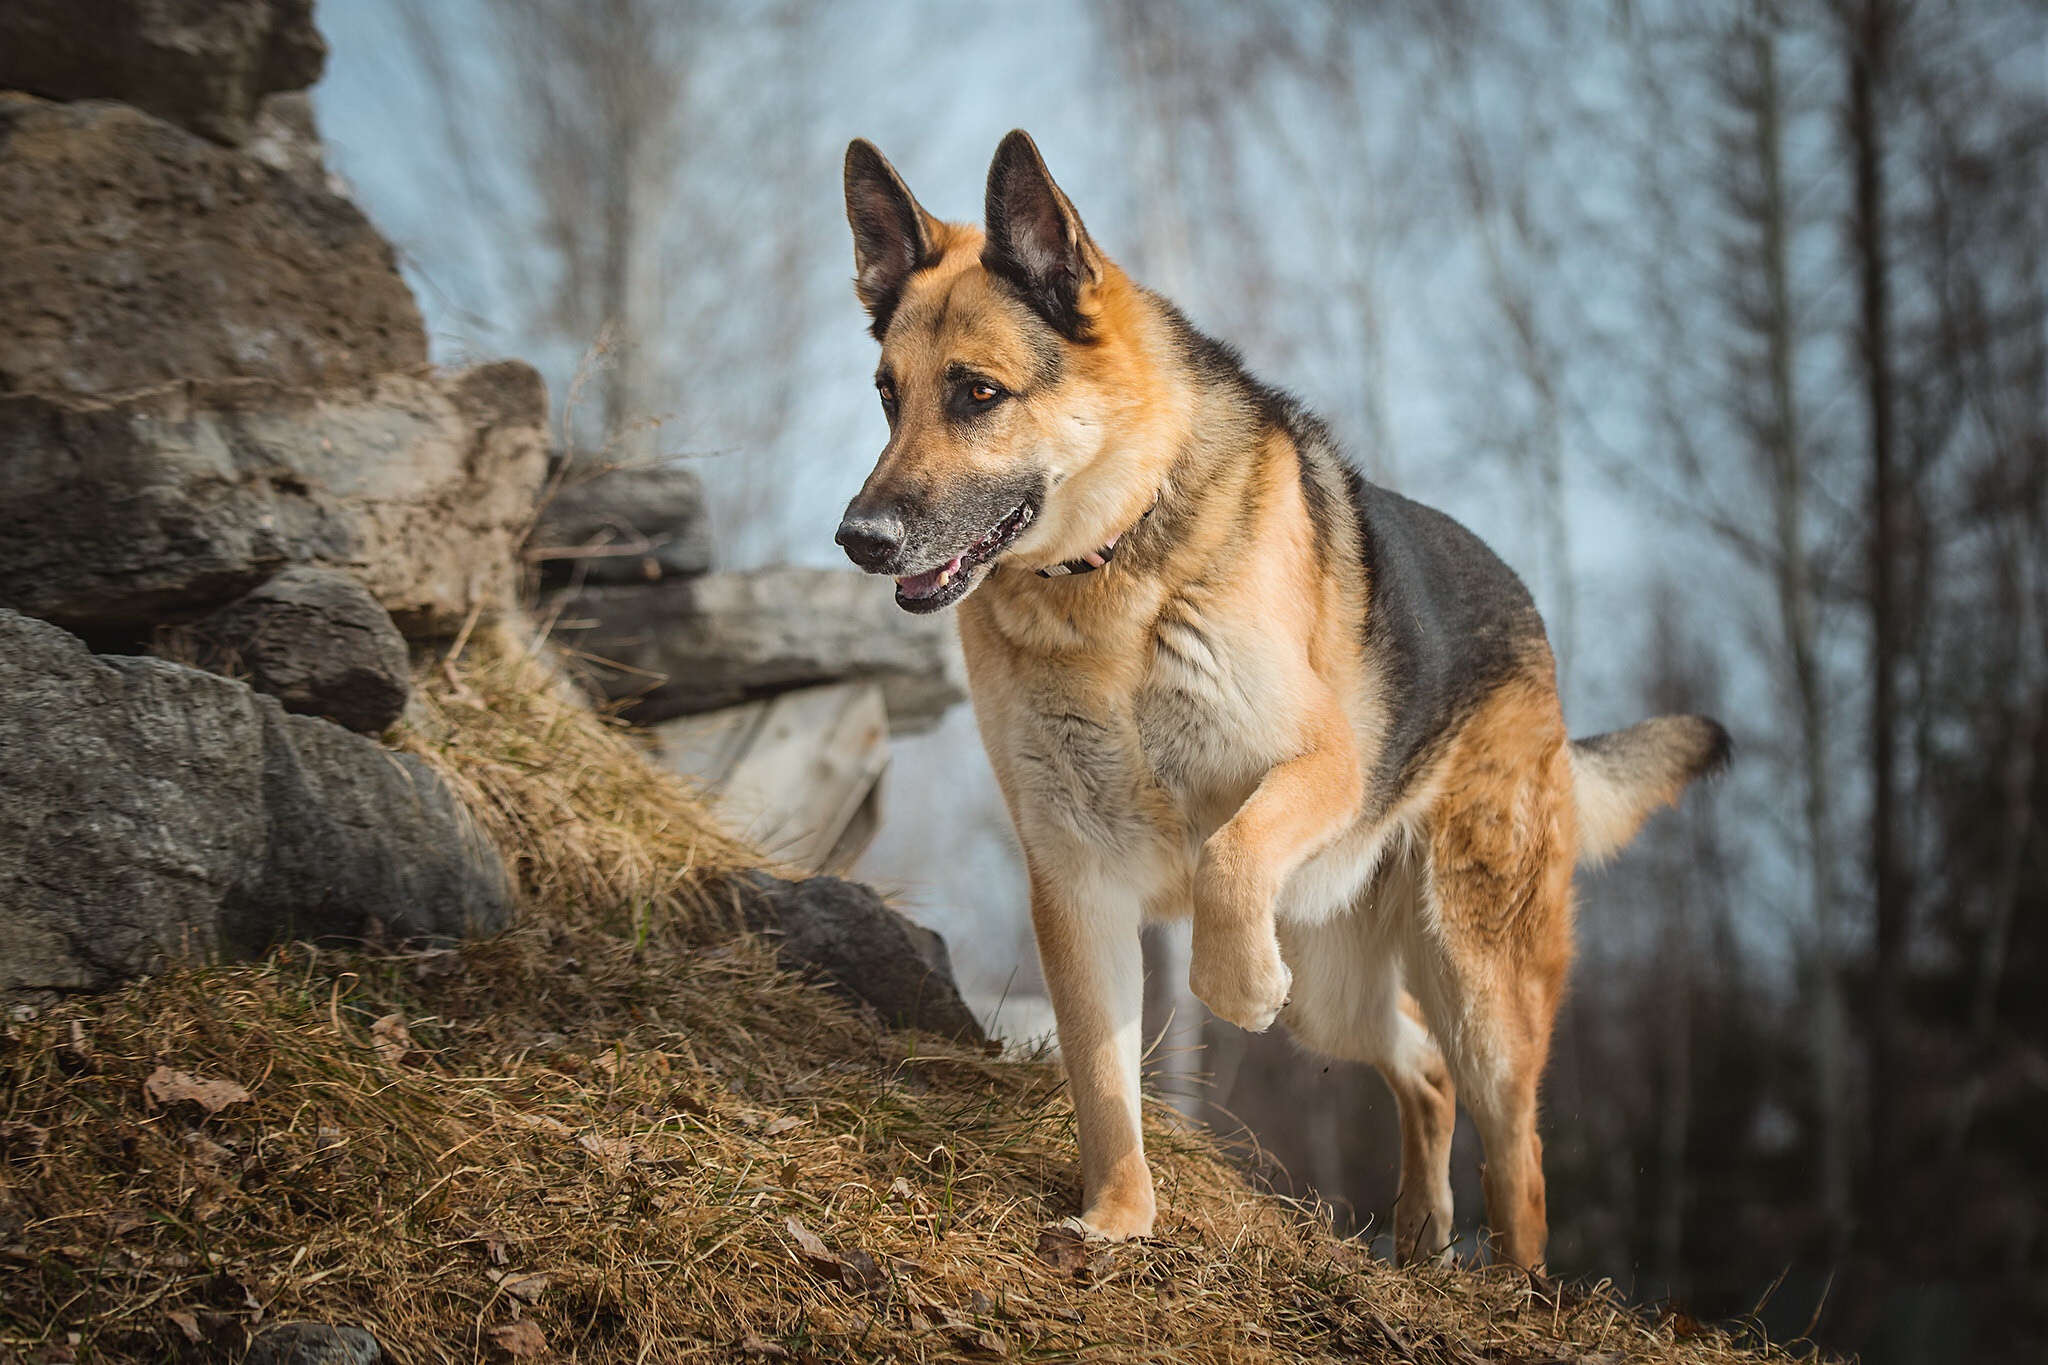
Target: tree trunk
1867 52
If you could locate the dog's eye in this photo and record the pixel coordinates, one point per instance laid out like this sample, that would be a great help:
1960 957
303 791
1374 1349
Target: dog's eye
981 391
887 392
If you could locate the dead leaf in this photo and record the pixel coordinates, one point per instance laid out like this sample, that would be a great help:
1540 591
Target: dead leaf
165 1086
752 1344
613 1152
541 1123
790 1174
188 1324
1064 1250
123 1223
521 1340
495 1244
900 1191
812 1250
205 1151
859 1272
974 1339
392 1039
782 1125
527 1288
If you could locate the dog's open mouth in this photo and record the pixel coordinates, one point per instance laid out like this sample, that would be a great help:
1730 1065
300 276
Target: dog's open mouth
947 584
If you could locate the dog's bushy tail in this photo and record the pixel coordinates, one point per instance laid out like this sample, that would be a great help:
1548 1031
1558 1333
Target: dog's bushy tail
1620 777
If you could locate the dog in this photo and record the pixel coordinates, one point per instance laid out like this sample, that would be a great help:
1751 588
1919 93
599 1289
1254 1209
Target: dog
1221 676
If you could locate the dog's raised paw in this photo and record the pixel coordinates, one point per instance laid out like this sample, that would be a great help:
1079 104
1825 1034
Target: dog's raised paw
1252 1001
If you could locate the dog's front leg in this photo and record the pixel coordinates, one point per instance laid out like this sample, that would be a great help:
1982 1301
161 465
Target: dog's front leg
1234 965
1095 971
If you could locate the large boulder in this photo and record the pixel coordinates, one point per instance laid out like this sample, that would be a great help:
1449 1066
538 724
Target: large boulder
149 810
318 642
166 503
636 524
849 935
696 644
285 138
134 253
203 64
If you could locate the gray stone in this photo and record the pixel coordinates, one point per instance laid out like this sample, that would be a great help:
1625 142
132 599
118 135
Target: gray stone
286 138
696 644
318 642
866 950
203 64
149 811
167 503
313 1343
630 525
133 253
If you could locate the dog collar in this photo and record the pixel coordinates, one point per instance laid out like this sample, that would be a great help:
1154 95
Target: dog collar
1095 559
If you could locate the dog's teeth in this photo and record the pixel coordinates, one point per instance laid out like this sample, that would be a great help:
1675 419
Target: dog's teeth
945 577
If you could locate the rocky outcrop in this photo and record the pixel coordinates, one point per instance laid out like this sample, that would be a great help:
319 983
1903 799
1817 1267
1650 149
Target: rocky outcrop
319 643
628 525
845 932
202 64
285 138
726 638
133 253
166 503
149 810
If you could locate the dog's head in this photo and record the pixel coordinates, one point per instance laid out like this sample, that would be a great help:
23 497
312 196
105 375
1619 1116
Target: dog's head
1003 376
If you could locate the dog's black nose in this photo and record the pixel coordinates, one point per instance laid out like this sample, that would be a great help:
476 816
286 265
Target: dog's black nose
872 540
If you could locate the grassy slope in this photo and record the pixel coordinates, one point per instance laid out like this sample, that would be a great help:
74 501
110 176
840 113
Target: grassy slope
616 1135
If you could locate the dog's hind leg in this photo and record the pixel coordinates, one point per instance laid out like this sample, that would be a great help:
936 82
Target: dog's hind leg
1487 957
1348 1003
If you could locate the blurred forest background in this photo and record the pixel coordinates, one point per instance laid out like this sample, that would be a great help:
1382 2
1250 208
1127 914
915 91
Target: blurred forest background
1726 323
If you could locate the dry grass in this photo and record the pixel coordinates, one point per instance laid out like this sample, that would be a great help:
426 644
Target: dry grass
595 835
607 1137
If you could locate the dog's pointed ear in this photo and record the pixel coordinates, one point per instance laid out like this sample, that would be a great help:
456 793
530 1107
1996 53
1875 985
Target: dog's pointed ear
893 237
1035 238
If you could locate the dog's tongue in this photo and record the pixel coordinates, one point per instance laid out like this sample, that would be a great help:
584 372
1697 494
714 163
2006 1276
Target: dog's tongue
926 584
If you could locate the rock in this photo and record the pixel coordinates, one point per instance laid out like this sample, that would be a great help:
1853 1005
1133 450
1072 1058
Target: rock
318 642
149 810
133 253
313 1343
285 138
868 951
632 525
202 64
725 638
165 504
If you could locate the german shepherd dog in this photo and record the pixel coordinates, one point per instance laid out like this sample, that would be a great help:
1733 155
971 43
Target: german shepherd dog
1220 675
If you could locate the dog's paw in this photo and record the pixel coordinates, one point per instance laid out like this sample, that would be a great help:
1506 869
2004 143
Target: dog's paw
1110 1223
1247 993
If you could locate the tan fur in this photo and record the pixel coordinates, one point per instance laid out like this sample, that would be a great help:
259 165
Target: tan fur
1188 733
1619 779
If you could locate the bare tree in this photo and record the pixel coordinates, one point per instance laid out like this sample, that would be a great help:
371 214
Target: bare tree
596 91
